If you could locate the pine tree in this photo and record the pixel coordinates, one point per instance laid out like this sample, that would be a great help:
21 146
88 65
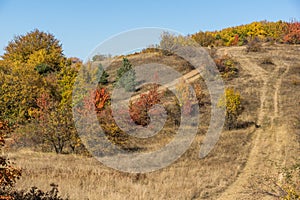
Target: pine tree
104 75
126 76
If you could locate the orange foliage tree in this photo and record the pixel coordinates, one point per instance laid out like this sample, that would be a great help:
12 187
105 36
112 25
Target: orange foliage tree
293 33
139 109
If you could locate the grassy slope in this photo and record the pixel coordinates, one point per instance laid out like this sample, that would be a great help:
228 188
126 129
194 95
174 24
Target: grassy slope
271 94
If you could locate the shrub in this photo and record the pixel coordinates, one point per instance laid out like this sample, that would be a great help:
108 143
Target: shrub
198 91
113 132
55 124
36 194
226 66
169 42
99 101
101 98
101 57
8 173
204 38
232 102
293 33
139 109
286 188
254 45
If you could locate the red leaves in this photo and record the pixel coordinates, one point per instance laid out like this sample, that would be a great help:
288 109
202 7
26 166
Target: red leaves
293 33
101 97
95 100
139 109
236 40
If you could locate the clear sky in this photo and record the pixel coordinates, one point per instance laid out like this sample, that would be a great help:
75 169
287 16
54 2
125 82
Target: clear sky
82 24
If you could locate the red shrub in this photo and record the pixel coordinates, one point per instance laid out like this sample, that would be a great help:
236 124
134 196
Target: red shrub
293 33
139 109
101 97
95 100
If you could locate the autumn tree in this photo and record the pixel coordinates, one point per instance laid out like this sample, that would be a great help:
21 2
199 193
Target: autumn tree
33 68
26 71
37 49
19 89
232 102
170 42
66 79
293 33
204 38
55 124
139 109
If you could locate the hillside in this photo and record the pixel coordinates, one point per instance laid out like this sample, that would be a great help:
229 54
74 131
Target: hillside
276 142
239 167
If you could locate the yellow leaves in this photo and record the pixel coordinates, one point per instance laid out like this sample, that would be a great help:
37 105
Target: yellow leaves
66 79
114 133
37 57
27 57
34 48
263 30
18 92
33 112
232 102
292 193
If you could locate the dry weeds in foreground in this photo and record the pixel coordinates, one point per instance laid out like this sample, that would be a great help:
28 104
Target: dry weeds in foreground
188 178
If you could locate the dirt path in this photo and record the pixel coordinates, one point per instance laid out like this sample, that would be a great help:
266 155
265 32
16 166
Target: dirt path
270 139
189 77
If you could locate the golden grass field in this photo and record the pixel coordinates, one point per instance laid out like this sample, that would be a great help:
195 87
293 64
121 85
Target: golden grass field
271 98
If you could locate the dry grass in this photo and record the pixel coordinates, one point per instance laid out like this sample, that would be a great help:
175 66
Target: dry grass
190 177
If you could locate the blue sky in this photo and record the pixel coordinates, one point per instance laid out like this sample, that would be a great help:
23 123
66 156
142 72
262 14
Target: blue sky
82 25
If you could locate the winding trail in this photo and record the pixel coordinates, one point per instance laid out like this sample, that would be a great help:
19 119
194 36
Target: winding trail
270 140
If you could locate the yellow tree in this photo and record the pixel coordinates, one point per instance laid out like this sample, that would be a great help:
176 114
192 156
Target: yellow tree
232 102
35 48
24 70
19 87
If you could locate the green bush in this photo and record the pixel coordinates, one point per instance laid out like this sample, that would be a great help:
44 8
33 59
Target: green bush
126 76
